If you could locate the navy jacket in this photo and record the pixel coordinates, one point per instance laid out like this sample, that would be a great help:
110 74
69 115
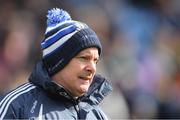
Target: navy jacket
41 98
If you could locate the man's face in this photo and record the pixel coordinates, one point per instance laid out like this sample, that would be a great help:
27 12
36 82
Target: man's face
77 76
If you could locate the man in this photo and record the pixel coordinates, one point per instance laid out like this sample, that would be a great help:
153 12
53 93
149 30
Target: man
63 85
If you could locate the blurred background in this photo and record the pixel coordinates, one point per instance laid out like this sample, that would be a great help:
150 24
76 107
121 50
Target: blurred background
141 50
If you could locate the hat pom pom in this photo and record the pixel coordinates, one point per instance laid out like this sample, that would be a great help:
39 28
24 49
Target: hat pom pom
56 16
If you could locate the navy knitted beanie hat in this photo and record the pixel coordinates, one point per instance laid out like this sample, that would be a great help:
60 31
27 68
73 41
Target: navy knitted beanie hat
64 39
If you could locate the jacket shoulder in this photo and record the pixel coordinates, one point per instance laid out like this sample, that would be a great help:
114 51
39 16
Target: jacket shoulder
14 98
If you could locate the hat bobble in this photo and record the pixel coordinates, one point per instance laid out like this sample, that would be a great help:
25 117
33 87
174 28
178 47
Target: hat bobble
56 16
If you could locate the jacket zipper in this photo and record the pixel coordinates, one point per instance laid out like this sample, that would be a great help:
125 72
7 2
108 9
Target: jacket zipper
77 109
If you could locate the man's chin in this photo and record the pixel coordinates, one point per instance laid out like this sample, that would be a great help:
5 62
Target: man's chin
83 90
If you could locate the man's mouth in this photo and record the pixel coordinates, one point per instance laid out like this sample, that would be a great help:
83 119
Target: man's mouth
85 77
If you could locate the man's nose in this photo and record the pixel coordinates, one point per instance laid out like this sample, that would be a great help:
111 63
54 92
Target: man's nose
91 67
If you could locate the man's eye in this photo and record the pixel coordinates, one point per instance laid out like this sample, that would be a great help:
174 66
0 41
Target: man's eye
96 60
83 58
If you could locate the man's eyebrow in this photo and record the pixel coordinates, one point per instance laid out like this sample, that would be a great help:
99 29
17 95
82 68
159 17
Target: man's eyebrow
84 53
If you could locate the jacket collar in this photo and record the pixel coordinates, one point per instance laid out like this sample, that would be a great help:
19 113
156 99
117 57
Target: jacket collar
99 88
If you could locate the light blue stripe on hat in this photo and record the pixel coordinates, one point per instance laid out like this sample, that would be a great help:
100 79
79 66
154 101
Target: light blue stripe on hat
51 49
61 33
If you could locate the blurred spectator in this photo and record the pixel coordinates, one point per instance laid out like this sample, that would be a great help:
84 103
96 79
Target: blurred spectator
5 78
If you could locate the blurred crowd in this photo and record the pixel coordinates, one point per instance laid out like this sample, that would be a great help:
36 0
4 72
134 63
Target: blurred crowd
141 50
